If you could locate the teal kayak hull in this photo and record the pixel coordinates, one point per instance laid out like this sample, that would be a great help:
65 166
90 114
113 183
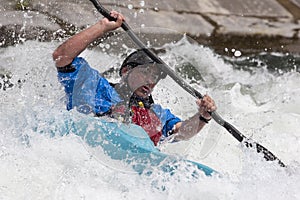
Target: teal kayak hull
128 143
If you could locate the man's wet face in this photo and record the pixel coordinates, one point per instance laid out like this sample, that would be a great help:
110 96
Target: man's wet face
142 80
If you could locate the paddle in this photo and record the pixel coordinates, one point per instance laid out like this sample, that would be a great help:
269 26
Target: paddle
269 156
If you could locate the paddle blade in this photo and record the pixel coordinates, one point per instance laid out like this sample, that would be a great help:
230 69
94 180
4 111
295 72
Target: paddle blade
268 155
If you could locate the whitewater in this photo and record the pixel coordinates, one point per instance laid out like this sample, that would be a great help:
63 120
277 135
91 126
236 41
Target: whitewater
261 100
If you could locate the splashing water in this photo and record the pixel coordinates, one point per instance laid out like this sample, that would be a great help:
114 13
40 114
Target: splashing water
261 103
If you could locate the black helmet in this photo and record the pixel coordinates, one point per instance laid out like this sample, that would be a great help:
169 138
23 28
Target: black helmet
136 58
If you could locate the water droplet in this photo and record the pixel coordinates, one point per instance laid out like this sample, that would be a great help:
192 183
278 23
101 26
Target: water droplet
107 46
237 53
130 6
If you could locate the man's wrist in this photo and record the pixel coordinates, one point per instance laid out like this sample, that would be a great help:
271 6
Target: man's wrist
203 119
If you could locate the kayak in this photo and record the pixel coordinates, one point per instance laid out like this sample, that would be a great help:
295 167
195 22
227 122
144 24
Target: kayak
128 143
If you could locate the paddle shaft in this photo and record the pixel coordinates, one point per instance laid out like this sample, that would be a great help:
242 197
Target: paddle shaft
230 128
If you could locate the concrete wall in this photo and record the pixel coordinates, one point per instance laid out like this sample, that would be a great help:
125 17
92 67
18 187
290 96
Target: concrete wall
249 25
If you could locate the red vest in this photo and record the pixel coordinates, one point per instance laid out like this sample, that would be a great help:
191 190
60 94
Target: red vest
148 120
145 118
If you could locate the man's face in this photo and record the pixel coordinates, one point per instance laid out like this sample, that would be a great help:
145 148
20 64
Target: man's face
142 80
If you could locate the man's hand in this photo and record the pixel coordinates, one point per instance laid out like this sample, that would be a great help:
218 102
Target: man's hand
112 25
206 105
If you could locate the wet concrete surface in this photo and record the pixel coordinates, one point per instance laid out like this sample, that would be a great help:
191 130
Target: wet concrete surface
247 25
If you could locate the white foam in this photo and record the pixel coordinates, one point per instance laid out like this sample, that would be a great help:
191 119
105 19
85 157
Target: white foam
261 105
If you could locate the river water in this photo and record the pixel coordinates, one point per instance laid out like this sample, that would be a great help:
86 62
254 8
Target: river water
259 94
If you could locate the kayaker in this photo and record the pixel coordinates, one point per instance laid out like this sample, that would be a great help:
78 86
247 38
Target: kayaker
131 99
